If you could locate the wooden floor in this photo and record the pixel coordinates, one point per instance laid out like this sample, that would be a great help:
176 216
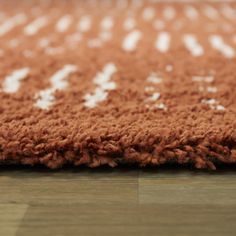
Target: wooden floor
117 202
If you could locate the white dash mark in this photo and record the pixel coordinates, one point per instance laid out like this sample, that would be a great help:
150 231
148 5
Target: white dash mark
192 45
163 42
103 83
45 98
11 23
169 68
153 78
85 23
149 89
213 104
64 23
131 40
209 101
129 24
43 42
11 84
169 13
154 97
102 79
206 79
191 12
218 44
54 50
35 26
211 89
220 108
161 106
107 23
91 100
210 12
148 13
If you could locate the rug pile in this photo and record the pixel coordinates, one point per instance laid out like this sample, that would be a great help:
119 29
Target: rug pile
117 82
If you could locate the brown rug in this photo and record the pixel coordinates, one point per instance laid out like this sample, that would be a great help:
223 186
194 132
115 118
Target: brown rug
117 82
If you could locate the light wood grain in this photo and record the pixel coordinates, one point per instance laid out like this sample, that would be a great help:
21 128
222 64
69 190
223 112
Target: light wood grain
11 216
69 187
187 188
116 202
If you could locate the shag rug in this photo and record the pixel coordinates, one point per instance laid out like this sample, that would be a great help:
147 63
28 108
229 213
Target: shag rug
117 82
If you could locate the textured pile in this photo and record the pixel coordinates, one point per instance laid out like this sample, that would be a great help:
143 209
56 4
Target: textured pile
117 82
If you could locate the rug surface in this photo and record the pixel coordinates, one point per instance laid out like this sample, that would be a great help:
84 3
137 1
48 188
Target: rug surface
117 82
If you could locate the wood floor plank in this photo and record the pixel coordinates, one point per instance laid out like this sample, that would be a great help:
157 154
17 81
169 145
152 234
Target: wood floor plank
11 216
128 219
117 202
186 187
84 186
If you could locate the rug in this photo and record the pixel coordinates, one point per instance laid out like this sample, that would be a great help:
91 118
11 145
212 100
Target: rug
94 83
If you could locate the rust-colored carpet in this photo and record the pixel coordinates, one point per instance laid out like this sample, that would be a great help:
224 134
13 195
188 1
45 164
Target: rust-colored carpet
117 82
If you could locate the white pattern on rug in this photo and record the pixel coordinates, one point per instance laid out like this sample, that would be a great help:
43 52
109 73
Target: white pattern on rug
45 98
103 85
11 84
